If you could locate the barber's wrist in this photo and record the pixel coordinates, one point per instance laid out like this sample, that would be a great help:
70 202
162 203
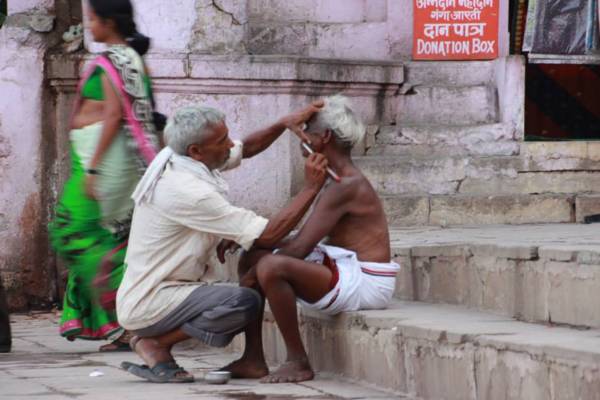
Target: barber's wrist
281 125
312 187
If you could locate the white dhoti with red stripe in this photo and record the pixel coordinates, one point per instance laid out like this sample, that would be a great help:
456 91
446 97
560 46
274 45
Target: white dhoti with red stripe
360 285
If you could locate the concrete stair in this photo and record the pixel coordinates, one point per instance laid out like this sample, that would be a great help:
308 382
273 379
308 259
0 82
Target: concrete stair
450 157
447 352
468 209
539 273
494 307
436 189
482 312
406 174
440 140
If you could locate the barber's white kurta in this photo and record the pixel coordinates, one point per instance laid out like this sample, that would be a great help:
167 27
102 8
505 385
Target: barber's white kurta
173 236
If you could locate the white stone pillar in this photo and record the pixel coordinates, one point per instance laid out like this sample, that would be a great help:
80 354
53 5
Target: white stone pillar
23 244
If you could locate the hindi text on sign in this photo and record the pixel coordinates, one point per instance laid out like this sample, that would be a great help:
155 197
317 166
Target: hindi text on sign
468 30
473 15
455 29
433 31
445 4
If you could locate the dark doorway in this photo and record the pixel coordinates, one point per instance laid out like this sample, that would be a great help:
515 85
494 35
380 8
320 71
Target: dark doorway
561 45
562 102
3 11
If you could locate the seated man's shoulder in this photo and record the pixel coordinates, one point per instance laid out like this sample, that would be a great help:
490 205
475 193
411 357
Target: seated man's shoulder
351 187
353 193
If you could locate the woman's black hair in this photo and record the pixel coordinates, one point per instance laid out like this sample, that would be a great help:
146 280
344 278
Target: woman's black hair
121 11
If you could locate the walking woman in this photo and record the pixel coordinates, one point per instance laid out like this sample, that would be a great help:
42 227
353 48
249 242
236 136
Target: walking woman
112 139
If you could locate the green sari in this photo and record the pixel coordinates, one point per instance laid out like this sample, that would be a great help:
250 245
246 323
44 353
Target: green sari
91 234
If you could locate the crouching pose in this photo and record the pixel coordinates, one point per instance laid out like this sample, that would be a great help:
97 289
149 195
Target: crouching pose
181 214
339 261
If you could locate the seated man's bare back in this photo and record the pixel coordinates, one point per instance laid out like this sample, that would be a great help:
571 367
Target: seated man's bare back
339 260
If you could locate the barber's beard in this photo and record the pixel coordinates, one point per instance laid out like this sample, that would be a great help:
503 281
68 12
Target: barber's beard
223 163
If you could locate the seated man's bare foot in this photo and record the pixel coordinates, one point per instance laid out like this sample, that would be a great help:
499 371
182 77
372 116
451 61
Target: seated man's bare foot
291 371
247 369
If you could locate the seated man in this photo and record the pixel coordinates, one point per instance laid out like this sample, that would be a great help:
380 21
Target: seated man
180 217
339 261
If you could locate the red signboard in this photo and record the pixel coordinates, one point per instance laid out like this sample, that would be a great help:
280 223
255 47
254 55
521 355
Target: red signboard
455 29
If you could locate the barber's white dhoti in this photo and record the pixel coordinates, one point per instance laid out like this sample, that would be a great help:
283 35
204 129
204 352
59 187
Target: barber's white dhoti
360 286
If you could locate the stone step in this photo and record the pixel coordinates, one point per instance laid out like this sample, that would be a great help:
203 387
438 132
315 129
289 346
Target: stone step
538 273
448 105
427 140
436 174
444 73
447 352
560 156
405 174
413 175
532 182
445 210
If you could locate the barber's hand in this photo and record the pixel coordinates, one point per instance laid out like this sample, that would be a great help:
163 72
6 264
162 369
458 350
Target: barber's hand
315 171
224 247
295 121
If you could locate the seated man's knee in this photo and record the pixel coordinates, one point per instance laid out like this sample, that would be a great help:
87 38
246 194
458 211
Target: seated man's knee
269 267
248 260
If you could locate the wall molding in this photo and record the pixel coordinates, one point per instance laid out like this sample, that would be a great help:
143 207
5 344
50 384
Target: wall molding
251 75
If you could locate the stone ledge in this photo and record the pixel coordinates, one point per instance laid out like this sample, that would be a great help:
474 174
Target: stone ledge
533 182
557 237
420 350
500 209
445 73
254 67
523 253
561 156
460 209
586 205
295 68
202 74
427 140
542 273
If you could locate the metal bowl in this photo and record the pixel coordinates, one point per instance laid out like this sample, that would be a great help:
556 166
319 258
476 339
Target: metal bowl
217 377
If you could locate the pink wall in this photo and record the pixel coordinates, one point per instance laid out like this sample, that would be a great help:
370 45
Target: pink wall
23 152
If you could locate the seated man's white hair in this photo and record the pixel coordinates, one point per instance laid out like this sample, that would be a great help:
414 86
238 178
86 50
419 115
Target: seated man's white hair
190 125
337 116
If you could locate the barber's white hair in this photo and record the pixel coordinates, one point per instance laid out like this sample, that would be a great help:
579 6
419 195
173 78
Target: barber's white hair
190 125
337 116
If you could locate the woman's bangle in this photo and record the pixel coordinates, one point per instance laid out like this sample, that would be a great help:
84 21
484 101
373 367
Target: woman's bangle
92 171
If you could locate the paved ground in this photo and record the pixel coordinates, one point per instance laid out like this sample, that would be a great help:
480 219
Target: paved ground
47 367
